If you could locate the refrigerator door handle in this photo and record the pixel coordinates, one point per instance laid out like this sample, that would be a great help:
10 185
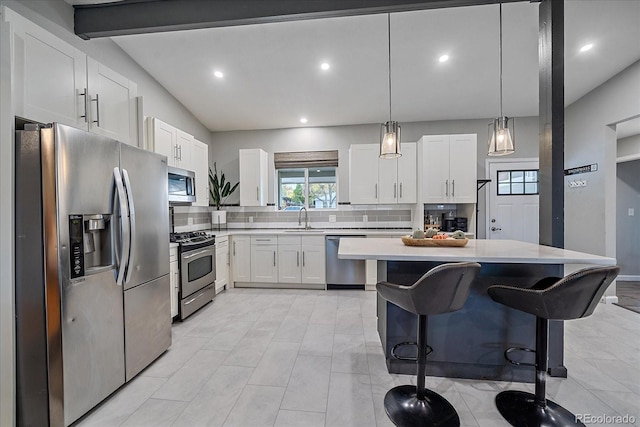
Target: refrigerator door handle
124 224
132 224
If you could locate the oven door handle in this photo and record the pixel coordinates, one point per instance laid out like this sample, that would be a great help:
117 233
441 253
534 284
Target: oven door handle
197 253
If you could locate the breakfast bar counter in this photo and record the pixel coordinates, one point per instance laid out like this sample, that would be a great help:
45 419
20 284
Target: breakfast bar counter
470 343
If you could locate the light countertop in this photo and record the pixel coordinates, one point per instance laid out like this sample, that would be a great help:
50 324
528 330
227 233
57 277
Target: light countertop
488 251
311 232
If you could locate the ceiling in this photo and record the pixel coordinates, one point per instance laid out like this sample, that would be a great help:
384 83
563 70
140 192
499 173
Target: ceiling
272 74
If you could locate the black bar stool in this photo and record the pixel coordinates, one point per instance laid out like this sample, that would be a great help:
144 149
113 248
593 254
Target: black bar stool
552 298
442 289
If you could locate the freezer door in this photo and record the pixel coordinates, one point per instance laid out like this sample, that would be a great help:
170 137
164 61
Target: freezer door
145 178
147 318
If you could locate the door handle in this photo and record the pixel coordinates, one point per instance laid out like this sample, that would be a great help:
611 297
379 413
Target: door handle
303 259
97 120
196 254
180 152
297 258
86 119
496 229
453 188
376 187
124 224
446 184
234 248
258 194
274 258
401 190
394 190
132 223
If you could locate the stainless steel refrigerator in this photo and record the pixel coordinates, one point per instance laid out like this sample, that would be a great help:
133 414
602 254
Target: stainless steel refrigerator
92 270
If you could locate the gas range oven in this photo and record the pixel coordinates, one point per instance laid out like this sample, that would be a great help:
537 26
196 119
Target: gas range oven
197 266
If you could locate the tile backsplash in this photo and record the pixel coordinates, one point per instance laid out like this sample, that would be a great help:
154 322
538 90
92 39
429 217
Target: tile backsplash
193 218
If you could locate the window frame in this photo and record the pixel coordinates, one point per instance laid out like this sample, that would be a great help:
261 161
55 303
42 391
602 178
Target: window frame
306 187
524 181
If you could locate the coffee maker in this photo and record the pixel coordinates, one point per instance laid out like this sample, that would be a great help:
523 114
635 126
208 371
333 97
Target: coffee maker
448 221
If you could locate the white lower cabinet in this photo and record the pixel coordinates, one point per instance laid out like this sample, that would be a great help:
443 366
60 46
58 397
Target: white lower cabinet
241 255
222 262
264 259
174 280
301 259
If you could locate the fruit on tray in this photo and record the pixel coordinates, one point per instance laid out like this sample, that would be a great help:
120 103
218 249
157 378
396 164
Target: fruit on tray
418 234
440 237
430 232
458 234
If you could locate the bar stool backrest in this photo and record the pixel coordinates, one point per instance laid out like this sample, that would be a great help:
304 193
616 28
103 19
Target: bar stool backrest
443 289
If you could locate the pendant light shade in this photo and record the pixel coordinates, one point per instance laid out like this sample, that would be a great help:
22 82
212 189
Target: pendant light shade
390 131
390 140
501 131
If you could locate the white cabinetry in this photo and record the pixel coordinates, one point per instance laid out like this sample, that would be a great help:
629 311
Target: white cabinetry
301 259
174 280
382 181
264 259
448 168
200 162
253 177
171 142
222 262
241 255
55 82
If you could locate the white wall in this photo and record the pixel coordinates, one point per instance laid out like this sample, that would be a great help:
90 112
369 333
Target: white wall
590 137
225 145
629 147
56 16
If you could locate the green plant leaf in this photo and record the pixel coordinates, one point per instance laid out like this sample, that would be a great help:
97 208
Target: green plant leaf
219 187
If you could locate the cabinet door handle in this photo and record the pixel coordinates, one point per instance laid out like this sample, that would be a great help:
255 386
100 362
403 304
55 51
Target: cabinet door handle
274 258
234 248
175 152
453 188
394 190
303 259
376 187
180 152
298 259
84 102
258 194
97 101
446 184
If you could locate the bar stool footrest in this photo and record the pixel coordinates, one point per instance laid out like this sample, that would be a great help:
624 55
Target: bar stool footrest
513 362
405 409
520 410
404 344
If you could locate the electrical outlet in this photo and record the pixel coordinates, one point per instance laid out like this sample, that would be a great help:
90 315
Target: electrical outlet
251 219
631 212
332 218
365 218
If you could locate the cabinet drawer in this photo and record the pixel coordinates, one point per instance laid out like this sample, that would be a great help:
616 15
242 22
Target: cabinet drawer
264 240
313 240
289 240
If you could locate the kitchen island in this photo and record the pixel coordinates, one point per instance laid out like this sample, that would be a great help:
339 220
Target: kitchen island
470 343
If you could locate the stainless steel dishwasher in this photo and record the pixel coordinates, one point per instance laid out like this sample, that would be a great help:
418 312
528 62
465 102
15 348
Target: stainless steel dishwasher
343 273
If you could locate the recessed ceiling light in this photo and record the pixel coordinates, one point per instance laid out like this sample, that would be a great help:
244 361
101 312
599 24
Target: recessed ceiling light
303 120
218 74
586 47
325 66
443 58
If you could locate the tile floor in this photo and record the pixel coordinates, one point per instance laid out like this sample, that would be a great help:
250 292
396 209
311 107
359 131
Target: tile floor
313 358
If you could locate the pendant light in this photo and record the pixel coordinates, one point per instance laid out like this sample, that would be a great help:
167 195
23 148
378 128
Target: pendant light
390 131
502 130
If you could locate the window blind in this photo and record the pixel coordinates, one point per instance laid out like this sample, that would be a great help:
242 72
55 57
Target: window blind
306 159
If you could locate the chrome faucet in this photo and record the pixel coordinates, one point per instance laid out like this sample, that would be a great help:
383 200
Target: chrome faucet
306 218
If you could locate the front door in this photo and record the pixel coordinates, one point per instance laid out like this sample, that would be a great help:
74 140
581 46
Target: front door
513 200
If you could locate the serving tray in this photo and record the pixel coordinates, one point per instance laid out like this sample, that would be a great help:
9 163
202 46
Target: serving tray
450 242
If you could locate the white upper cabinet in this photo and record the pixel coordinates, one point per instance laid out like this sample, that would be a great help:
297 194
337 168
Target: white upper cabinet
253 177
382 181
363 174
172 142
200 161
111 103
55 82
448 170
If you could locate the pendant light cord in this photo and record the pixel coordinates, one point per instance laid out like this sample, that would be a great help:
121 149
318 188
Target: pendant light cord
501 60
389 38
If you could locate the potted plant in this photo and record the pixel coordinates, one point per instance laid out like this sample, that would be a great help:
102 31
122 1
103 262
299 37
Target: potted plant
219 190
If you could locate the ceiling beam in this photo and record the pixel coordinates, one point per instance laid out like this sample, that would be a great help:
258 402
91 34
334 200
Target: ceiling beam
151 16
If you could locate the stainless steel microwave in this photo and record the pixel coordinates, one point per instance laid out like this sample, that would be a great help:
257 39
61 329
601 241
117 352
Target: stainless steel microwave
182 186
